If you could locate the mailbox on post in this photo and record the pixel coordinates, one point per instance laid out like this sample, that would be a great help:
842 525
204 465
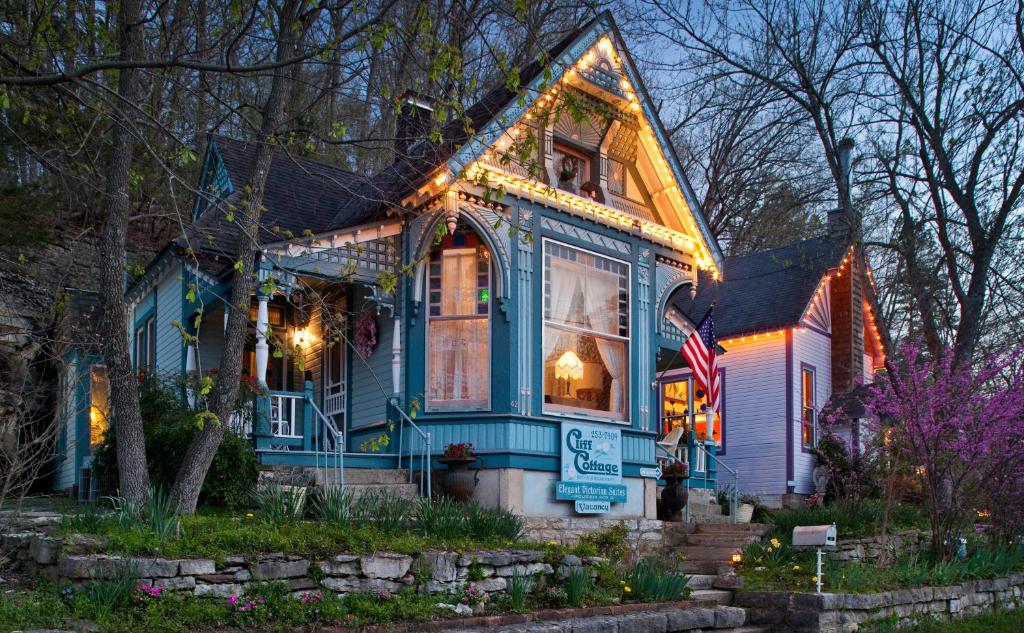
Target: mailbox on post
815 535
818 536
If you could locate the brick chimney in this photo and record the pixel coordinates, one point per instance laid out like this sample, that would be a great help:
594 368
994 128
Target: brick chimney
843 223
414 121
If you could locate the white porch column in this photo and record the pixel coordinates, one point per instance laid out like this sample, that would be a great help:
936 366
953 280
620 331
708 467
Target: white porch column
262 349
396 357
190 368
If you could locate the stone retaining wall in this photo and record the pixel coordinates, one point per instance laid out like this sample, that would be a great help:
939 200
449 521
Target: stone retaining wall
788 612
869 550
77 559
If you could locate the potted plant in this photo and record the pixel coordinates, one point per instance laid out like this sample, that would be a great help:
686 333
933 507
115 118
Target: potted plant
459 482
675 494
745 511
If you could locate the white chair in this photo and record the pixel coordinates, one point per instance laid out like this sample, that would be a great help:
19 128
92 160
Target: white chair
671 440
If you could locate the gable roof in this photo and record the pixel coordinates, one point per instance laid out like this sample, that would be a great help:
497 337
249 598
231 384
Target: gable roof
764 291
300 195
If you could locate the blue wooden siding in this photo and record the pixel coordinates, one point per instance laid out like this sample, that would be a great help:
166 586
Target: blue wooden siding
211 340
367 404
67 446
169 297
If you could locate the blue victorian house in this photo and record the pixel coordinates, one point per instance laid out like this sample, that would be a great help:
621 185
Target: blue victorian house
462 296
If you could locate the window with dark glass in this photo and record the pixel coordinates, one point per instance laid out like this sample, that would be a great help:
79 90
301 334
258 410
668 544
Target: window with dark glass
809 414
586 332
458 323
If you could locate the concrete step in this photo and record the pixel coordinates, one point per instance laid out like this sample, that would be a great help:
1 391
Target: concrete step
756 529
366 476
404 490
715 596
701 581
718 539
703 567
720 554
746 629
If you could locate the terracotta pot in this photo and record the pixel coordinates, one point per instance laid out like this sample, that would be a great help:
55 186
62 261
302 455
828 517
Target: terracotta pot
459 481
674 497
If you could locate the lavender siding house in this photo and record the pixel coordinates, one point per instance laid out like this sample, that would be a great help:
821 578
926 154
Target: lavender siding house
797 325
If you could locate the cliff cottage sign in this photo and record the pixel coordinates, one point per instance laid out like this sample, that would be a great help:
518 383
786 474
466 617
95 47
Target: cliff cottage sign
591 474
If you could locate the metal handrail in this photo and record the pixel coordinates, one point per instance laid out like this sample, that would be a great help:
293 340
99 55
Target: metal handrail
426 486
734 496
338 454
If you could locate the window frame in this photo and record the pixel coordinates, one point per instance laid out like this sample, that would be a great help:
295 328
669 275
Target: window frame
144 347
559 145
432 406
805 408
566 410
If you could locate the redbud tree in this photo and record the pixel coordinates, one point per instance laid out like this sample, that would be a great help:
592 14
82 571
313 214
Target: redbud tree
959 430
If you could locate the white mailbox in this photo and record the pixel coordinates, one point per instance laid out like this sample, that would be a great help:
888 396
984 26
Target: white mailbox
815 535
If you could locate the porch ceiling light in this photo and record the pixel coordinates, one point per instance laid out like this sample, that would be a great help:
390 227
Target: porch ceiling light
569 366
301 337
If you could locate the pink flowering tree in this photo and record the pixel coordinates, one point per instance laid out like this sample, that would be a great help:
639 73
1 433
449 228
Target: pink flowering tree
959 430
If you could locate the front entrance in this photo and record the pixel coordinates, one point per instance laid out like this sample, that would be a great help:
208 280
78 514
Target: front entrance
334 379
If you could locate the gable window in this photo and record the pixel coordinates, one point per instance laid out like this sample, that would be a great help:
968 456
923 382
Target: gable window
586 332
145 345
458 323
809 414
617 178
572 168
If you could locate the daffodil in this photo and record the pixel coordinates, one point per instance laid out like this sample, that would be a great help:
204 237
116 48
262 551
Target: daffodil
775 543
622 582
814 579
796 567
627 589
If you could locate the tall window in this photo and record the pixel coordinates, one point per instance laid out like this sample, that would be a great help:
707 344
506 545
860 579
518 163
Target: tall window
145 345
99 405
809 414
458 323
586 332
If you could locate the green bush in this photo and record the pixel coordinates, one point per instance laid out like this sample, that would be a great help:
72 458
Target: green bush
649 581
519 586
610 543
168 426
280 505
577 585
333 505
853 519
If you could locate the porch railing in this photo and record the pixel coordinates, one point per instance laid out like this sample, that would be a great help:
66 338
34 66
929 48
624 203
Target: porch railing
285 413
331 449
424 453
734 492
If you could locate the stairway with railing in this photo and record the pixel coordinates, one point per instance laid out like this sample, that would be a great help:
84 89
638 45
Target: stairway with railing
708 458
330 446
409 447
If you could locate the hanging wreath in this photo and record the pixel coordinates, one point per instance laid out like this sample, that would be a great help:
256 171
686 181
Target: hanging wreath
366 334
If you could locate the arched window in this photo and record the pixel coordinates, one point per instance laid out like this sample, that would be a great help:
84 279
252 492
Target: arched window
458 323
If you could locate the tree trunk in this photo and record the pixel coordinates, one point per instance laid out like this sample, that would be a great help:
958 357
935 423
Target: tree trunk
133 476
201 451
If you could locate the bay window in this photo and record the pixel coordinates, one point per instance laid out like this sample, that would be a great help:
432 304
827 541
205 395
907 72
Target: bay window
586 332
458 323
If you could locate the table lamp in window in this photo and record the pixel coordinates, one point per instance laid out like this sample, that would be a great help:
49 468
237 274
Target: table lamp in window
568 367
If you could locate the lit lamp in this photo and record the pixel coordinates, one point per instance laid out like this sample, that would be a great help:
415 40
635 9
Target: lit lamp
737 558
569 367
301 337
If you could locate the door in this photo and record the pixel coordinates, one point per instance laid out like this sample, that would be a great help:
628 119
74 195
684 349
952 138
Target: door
334 381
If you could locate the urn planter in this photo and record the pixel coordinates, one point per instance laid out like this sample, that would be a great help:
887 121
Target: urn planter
459 480
674 497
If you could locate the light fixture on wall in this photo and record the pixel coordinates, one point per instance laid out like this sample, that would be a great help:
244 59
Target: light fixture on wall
301 337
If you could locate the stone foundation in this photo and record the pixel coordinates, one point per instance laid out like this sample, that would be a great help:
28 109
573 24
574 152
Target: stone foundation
645 535
787 612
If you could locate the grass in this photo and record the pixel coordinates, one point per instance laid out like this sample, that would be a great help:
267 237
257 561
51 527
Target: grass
853 520
775 566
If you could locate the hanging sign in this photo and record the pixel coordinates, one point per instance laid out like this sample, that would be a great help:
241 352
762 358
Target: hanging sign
653 473
591 473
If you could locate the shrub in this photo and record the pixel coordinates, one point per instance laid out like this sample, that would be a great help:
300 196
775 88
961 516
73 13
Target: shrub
444 518
852 519
577 585
649 581
610 543
168 425
280 505
389 511
519 586
333 505
491 523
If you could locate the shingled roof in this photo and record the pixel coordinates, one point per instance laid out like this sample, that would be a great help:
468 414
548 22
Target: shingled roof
764 291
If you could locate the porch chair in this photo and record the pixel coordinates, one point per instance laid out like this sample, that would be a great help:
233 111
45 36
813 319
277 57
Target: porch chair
671 441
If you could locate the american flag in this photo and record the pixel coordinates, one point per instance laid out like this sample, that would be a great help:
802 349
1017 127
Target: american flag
699 351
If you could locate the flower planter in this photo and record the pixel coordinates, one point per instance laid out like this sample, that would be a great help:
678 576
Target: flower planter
744 513
459 481
674 497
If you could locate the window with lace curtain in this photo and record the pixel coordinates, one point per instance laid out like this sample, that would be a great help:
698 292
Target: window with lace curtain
458 324
586 332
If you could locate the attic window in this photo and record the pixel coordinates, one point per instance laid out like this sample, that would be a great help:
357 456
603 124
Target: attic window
572 168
